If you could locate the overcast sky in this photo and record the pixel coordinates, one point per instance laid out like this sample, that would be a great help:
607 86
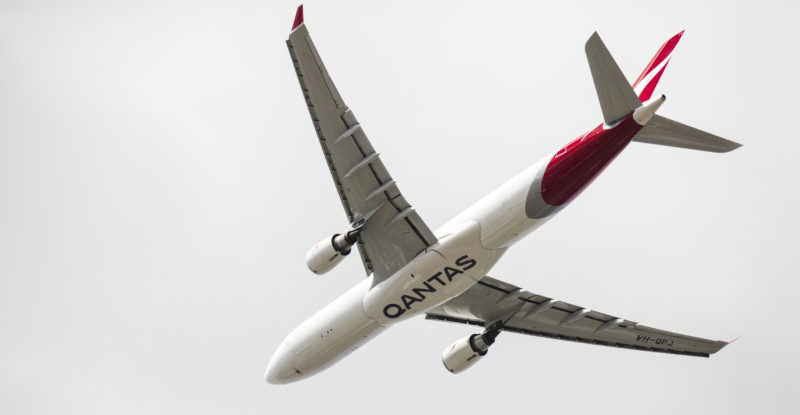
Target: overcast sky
161 181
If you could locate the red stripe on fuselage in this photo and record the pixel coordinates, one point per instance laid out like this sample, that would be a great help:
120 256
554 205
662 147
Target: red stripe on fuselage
578 163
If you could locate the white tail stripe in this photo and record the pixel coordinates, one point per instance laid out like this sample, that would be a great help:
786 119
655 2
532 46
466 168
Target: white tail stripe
650 75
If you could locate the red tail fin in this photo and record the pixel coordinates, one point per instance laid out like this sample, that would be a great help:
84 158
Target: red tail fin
649 78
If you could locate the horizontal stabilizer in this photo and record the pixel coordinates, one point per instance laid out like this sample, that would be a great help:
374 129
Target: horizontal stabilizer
617 99
665 132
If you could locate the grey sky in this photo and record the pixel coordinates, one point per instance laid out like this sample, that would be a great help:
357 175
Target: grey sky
160 182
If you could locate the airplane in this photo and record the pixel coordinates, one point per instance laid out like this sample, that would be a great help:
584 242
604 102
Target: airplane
443 274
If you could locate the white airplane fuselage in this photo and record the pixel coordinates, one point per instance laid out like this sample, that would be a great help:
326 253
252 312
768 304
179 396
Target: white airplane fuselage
468 246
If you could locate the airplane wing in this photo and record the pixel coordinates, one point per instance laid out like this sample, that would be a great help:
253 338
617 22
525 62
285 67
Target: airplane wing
394 232
491 300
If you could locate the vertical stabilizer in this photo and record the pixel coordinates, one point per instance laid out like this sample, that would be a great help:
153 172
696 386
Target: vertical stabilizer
647 81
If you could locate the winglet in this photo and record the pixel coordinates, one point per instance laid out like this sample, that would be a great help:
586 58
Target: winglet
298 17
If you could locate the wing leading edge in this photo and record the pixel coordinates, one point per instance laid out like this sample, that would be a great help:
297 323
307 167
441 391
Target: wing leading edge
394 233
491 300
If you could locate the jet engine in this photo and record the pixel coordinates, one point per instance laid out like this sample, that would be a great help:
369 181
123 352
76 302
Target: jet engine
329 252
462 354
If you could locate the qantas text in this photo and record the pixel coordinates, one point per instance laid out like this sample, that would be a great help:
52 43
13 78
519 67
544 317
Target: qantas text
417 295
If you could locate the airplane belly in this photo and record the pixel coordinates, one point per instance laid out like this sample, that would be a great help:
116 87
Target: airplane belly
511 211
440 273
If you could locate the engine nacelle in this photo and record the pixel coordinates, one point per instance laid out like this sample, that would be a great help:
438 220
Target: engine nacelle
462 354
329 252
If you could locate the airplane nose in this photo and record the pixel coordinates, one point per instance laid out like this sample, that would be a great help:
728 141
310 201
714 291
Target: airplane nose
272 375
281 368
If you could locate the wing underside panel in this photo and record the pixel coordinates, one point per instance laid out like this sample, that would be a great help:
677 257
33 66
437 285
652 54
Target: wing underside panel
394 233
491 300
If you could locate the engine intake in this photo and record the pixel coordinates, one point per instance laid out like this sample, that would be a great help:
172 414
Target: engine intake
329 252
